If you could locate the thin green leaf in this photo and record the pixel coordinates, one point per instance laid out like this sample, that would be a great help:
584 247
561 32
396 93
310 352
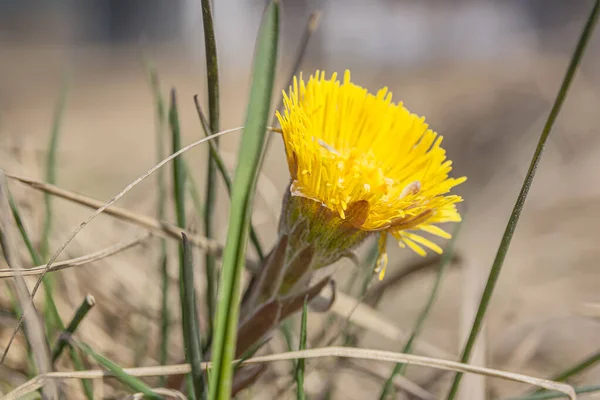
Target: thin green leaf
250 352
161 118
83 309
210 262
520 202
165 314
581 366
178 167
37 339
259 104
51 165
301 363
51 315
161 122
80 314
52 310
189 315
190 322
214 151
212 65
400 368
212 78
189 384
33 254
133 383
577 368
556 395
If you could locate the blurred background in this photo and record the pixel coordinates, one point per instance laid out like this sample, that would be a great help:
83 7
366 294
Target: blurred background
484 73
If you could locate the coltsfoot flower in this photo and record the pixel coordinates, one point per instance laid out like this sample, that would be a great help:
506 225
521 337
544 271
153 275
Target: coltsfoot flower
361 164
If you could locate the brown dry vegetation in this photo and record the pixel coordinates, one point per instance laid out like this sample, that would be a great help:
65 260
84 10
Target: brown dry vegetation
544 316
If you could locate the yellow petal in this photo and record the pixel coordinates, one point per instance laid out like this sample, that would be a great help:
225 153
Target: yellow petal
384 154
425 242
435 230
414 247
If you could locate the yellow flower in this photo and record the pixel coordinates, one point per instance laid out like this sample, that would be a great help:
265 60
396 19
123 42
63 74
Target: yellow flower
351 150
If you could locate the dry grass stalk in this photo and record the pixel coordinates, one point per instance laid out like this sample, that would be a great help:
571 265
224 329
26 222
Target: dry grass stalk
78 261
99 211
156 227
342 352
35 328
170 393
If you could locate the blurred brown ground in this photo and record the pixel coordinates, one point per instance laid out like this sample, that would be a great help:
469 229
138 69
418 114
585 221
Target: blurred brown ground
490 111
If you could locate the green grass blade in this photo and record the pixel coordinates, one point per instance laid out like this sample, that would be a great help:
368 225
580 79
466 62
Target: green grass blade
178 168
577 368
400 368
210 262
179 198
132 382
253 139
161 122
581 366
52 313
52 318
33 254
190 322
556 395
212 78
191 336
214 151
51 165
250 353
209 267
160 148
87 384
190 183
85 307
514 217
301 363
87 304
212 65
165 315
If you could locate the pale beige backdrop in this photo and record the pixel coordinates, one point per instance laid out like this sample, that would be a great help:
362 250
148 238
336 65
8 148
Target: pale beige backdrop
485 75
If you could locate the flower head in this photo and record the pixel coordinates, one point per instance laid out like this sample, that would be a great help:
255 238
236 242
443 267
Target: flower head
368 160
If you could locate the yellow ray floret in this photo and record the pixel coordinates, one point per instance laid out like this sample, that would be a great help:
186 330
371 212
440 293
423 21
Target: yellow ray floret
345 145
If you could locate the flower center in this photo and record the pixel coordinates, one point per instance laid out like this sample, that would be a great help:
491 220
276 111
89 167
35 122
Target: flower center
355 166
